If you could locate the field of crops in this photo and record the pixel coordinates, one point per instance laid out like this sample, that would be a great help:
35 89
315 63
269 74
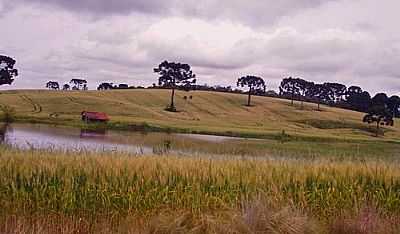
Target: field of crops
124 191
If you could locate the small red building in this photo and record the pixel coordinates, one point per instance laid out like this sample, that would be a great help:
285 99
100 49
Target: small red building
94 116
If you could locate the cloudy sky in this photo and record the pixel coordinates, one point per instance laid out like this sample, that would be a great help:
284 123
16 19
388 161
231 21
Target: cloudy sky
348 41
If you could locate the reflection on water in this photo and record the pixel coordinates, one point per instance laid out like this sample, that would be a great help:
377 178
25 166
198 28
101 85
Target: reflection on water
39 136
48 137
98 133
3 130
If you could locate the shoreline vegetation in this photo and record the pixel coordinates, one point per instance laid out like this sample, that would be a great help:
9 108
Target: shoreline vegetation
49 191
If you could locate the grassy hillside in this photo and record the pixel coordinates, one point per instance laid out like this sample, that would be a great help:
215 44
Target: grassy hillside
207 112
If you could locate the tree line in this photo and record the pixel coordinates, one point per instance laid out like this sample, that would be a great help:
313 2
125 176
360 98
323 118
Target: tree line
74 84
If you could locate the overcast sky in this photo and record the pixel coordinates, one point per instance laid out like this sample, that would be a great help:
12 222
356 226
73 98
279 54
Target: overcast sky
347 41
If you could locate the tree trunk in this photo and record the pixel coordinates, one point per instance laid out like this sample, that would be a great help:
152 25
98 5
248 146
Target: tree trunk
172 106
249 98
292 98
377 128
318 106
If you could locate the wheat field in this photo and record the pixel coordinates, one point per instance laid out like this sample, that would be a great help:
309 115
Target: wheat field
108 189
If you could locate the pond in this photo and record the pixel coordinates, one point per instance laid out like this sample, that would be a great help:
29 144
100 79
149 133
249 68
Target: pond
40 136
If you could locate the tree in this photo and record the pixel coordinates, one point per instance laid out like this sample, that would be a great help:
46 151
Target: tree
7 70
66 87
255 85
338 91
175 75
320 93
78 84
394 105
380 115
105 86
358 99
304 88
353 90
53 85
379 112
289 86
380 99
123 86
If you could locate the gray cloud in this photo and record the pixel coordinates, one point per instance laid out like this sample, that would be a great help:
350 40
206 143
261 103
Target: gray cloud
318 40
252 12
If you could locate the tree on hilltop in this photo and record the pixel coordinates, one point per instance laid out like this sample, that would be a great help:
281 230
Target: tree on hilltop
66 87
53 85
289 86
358 99
304 88
319 93
254 83
105 86
123 86
7 70
175 75
394 105
338 91
78 84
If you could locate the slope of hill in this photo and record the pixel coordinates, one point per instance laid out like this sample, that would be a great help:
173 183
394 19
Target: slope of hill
207 112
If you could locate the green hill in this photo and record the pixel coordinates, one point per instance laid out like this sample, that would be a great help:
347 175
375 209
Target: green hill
206 112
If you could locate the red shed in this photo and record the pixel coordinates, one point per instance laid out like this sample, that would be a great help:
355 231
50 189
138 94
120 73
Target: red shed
94 116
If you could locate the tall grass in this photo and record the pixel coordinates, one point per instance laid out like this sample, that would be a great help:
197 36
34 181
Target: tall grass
41 183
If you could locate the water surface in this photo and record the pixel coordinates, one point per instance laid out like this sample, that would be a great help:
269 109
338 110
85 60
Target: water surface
40 136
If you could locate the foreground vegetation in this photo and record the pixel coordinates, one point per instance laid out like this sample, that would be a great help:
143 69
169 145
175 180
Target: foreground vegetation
165 194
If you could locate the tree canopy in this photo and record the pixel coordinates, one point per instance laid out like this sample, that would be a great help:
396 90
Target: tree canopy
175 75
380 115
255 84
290 87
394 105
319 93
338 91
53 85
7 70
105 86
66 87
79 84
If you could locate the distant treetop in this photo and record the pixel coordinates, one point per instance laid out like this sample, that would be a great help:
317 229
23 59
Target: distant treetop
7 70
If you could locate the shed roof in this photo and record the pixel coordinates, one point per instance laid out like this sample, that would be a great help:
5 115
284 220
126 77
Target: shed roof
95 115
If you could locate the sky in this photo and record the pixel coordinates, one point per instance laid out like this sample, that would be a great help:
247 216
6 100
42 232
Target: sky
354 42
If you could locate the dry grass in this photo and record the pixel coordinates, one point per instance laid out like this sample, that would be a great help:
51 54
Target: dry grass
256 217
368 221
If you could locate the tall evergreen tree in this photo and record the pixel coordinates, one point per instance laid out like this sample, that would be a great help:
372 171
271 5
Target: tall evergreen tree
254 83
175 75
